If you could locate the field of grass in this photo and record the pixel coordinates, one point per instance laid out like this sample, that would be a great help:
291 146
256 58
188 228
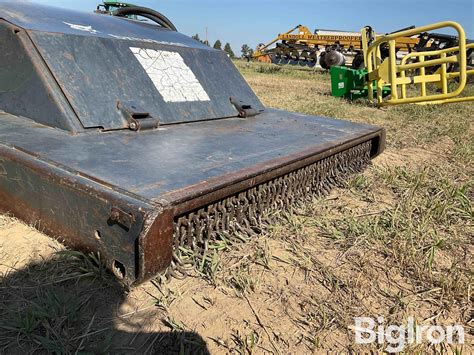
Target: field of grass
396 241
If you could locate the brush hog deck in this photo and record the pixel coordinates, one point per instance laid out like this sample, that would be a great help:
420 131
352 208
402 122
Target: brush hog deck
137 142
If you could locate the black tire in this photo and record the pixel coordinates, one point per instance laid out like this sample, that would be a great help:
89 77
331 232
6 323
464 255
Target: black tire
313 59
322 61
358 62
334 59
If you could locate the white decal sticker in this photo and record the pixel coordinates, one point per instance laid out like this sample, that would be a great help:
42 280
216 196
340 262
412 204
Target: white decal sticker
174 80
81 28
147 40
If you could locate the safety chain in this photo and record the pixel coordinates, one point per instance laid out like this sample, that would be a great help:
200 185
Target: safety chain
242 216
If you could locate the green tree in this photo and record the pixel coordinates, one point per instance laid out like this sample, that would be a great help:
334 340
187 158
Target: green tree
229 50
246 51
218 45
206 42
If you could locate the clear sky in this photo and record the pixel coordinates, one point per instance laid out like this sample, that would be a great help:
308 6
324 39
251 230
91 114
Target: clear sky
254 22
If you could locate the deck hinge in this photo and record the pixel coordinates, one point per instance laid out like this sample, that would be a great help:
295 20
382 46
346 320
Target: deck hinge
137 118
245 110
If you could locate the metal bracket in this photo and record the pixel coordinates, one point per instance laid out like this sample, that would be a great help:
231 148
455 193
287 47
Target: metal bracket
137 118
244 109
121 217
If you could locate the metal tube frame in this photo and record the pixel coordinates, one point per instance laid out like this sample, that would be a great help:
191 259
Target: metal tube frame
397 73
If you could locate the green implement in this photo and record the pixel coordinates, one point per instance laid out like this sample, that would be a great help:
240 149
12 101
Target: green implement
351 83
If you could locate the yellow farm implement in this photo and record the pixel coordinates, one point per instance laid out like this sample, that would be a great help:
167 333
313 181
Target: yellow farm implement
410 77
299 46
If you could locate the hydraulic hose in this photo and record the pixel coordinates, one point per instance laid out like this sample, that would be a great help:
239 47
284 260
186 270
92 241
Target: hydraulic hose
150 14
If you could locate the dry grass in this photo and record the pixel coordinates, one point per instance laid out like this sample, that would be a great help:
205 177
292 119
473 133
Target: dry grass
395 242
6 221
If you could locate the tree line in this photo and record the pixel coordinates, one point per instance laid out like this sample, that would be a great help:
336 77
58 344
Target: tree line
217 45
246 50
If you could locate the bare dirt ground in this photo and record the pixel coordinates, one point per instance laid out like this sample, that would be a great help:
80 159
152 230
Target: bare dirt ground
395 242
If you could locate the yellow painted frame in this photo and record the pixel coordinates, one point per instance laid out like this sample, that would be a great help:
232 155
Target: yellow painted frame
388 72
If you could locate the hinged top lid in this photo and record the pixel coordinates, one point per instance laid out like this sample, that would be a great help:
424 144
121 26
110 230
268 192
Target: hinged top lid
98 60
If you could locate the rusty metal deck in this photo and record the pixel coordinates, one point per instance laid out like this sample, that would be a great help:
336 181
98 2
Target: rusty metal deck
159 164
123 138
70 183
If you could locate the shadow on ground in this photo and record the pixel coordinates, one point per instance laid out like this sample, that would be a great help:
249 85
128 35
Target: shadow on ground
70 305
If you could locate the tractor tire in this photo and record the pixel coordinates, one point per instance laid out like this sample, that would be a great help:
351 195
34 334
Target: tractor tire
322 60
358 62
334 59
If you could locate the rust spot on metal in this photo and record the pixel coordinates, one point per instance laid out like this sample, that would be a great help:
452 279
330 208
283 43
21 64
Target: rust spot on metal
155 246
23 211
